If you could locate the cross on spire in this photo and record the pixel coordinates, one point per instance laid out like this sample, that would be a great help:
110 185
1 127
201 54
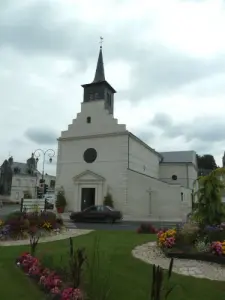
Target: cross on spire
101 41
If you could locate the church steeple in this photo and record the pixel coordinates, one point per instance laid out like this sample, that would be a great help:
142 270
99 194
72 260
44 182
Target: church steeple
100 89
100 72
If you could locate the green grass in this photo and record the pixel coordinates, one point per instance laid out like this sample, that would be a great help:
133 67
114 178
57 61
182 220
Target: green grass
130 278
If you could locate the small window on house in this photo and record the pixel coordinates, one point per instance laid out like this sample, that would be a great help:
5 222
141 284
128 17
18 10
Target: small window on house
88 119
174 177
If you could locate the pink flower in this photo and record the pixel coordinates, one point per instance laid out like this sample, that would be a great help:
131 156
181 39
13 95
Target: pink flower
55 290
42 279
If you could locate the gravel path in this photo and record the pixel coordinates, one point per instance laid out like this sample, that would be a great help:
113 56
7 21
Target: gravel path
152 254
60 236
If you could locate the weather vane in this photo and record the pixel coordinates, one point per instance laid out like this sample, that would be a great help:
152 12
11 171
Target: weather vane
101 41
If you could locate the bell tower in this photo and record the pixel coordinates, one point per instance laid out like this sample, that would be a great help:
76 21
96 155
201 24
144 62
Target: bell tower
99 89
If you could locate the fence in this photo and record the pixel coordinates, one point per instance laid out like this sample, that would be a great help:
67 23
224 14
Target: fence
31 205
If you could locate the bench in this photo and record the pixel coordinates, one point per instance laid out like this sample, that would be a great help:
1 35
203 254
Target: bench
32 205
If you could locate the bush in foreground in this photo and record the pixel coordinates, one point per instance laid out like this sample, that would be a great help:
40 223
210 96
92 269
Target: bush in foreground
146 228
17 225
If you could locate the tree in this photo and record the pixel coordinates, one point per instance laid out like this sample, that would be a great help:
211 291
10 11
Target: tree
207 162
209 207
108 200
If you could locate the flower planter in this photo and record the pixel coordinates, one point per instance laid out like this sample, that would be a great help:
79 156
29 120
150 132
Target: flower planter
208 257
47 280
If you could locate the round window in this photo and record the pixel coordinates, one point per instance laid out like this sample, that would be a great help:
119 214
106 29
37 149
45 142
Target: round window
90 155
174 177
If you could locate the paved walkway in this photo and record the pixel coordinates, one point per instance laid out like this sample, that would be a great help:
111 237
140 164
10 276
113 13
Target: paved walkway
152 254
61 236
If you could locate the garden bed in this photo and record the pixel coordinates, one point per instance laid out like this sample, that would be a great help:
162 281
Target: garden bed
51 282
208 257
21 225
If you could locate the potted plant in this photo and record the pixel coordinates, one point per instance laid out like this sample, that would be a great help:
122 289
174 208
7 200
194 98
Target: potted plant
108 200
60 203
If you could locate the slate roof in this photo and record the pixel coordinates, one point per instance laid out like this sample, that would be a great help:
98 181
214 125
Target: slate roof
22 166
99 73
179 157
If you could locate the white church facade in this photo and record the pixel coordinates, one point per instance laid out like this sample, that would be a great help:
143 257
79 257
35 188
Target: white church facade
96 156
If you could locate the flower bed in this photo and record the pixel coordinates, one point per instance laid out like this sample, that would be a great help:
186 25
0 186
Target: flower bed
148 228
47 280
208 257
18 225
189 242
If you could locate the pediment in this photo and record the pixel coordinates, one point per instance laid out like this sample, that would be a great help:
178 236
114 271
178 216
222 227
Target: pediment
88 176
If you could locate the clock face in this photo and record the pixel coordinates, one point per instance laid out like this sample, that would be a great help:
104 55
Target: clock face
90 155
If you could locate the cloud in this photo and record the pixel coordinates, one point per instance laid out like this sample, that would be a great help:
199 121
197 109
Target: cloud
202 129
162 120
165 59
40 29
41 136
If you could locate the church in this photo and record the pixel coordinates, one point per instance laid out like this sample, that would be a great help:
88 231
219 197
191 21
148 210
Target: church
98 156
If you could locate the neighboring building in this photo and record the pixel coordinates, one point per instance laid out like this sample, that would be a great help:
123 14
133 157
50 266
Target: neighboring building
25 179
96 155
50 181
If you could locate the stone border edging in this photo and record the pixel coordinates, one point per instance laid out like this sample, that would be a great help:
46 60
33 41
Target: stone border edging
57 237
150 253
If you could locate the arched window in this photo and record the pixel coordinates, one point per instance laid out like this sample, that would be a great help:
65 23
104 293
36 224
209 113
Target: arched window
88 119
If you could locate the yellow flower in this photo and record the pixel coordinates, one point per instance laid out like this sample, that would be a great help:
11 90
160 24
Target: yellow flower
1 223
47 225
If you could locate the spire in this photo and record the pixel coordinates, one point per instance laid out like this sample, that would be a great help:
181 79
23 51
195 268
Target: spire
100 73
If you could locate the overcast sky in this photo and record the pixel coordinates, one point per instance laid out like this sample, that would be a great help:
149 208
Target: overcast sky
165 58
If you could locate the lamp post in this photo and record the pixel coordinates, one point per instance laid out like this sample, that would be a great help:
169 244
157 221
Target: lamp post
49 152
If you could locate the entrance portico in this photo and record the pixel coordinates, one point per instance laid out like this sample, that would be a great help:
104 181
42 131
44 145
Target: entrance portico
89 189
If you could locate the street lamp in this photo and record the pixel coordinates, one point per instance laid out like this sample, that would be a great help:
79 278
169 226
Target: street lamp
49 152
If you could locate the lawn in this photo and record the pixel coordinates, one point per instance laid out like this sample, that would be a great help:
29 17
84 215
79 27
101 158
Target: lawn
130 278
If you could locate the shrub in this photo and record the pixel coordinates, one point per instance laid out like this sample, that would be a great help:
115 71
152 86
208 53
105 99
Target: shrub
187 235
209 207
19 223
60 200
15 227
47 217
146 228
202 245
14 215
33 218
214 234
108 201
